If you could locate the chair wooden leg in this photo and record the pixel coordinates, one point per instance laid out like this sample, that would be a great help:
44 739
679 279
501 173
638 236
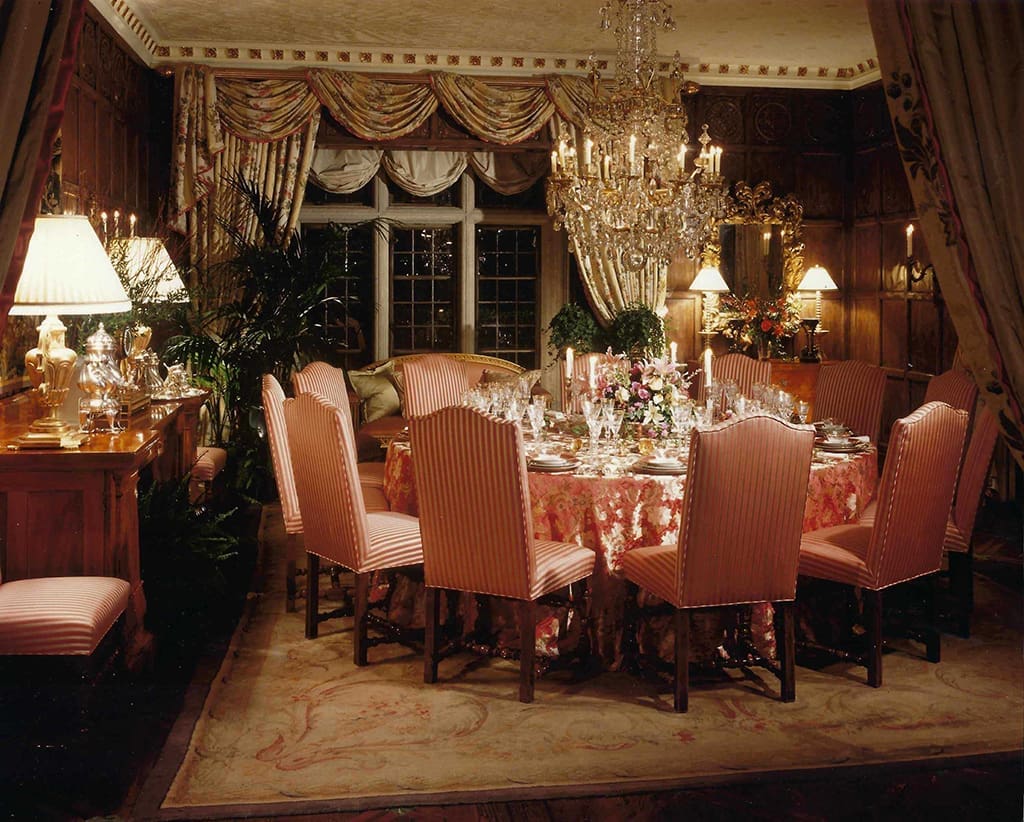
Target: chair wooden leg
933 639
961 583
293 548
786 639
430 639
312 595
360 608
681 695
873 626
527 648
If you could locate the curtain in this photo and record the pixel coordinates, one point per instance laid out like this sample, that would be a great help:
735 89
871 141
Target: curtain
424 173
953 72
261 131
38 43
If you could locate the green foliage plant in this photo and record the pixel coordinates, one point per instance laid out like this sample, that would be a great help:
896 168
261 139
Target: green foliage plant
638 331
572 327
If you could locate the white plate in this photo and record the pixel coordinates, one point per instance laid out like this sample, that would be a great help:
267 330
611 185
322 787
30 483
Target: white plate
843 446
645 467
664 462
553 467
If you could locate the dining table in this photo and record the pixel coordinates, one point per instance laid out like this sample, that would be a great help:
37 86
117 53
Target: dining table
607 502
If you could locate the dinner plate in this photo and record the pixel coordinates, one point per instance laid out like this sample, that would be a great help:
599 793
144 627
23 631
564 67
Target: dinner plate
663 469
844 447
552 466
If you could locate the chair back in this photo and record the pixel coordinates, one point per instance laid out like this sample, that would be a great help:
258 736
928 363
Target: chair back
743 370
742 512
280 455
433 381
325 380
974 472
474 501
584 373
915 494
953 387
326 479
851 392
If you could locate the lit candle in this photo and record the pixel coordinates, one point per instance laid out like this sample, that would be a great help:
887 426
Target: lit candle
568 363
117 218
910 241
632 150
607 166
718 159
554 162
673 349
707 368
766 242
681 157
103 218
131 222
561 152
588 148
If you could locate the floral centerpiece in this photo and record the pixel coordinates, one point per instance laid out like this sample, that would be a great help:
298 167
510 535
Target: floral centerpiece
763 322
646 389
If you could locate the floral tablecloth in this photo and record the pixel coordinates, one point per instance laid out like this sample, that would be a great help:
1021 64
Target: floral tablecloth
612 515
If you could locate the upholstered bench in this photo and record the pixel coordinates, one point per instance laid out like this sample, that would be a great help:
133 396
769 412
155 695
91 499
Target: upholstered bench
378 389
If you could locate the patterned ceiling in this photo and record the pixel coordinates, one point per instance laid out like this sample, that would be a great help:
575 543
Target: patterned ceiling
795 43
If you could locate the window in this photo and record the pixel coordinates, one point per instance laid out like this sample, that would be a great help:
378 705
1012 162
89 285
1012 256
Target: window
508 267
423 290
347 317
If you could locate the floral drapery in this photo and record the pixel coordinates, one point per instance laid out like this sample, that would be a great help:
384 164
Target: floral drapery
952 73
264 129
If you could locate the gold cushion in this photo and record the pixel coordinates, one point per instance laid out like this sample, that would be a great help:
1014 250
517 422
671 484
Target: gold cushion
377 391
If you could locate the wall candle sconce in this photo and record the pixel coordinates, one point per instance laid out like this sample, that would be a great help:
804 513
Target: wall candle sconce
912 268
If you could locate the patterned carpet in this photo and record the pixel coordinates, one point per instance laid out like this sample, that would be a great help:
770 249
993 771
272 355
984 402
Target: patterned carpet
291 726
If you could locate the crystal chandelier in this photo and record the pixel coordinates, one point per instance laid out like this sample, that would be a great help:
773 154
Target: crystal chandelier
627 193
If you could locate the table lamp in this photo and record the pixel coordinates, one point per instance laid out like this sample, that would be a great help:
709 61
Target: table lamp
66 271
816 279
709 281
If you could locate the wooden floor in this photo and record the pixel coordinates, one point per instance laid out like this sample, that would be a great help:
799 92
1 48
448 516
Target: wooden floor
98 775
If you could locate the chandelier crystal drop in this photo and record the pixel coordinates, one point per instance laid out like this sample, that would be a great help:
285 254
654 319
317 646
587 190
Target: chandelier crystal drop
629 190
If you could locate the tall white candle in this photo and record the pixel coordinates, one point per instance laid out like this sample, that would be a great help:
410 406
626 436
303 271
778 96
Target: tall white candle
554 162
707 368
568 363
588 148
910 241
632 150
673 350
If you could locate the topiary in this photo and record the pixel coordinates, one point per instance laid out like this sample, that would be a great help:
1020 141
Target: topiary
638 331
572 327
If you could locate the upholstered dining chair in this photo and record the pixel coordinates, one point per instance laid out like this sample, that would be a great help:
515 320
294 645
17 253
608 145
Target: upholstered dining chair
959 539
584 371
475 515
851 392
743 370
953 387
329 382
281 461
739 534
903 538
335 522
433 381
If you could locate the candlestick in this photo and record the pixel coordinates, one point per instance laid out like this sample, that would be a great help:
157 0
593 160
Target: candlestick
707 368
910 241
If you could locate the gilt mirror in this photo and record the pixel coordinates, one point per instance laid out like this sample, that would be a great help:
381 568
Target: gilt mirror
758 246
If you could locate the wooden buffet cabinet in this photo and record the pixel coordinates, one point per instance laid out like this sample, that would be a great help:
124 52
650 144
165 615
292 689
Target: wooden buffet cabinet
68 512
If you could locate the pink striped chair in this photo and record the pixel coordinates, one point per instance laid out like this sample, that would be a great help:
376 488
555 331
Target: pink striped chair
959 540
329 382
904 538
851 392
743 370
433 381
280 457
955 388
334 518
474 501
739 535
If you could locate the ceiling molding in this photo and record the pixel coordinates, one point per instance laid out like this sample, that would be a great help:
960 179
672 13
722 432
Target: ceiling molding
141 36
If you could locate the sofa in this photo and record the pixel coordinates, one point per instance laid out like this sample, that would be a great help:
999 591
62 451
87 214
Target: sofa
377 389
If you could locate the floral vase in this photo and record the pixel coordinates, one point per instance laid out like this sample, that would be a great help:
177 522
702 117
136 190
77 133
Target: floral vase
764 349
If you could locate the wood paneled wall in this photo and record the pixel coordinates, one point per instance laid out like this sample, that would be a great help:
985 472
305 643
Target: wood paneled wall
116 132
836 152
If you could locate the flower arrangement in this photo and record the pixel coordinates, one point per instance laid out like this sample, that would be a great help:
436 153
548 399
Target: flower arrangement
646 389
760 321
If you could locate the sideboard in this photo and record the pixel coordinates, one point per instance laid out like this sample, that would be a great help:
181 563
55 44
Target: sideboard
68 512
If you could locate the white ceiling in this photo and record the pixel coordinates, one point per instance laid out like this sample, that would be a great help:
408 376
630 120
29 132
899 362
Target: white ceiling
792 43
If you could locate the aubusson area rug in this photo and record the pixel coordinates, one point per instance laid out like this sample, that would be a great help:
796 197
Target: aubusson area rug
291 726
